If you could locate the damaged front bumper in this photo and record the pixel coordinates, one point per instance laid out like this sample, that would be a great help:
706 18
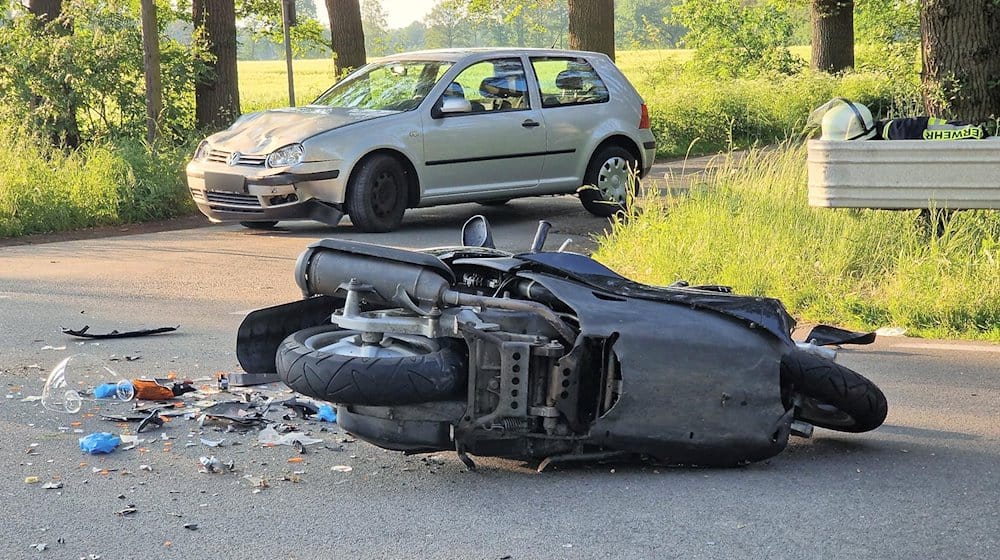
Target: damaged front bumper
227 194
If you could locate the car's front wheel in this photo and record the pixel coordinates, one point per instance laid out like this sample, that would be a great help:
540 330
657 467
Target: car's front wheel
610 182
377 194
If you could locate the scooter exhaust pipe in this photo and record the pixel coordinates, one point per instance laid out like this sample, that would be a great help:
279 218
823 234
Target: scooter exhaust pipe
322 271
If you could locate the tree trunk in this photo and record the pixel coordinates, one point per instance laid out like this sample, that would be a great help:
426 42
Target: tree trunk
346 34
592 26
64 128
832 35
45 10
960 49
151 69
217 94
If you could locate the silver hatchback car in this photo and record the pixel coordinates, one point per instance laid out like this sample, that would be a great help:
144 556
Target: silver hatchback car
429 128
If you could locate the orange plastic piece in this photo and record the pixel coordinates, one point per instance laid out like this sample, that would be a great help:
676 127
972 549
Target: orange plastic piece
150 390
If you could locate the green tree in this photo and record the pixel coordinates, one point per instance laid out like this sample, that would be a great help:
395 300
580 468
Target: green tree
538 23
99 64
262 20
738 37
646 24
446 24
373 22
888 35
409 38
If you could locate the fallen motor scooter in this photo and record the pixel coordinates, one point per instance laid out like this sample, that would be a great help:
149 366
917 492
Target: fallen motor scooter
548 355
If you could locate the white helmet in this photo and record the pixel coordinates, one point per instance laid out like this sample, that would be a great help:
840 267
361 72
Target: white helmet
842 119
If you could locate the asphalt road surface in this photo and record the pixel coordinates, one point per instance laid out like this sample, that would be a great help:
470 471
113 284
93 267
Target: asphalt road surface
924 485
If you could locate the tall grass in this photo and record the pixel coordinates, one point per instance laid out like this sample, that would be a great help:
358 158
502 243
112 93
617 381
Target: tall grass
748 225
45 189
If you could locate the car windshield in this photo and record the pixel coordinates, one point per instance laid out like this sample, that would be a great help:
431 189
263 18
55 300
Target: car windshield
393 86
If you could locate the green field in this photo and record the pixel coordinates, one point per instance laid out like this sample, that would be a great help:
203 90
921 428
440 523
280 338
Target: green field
264 83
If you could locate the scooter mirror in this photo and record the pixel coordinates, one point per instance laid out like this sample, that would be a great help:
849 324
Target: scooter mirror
476 233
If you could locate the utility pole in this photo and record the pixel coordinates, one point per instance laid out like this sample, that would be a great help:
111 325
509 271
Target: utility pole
287 21
151 67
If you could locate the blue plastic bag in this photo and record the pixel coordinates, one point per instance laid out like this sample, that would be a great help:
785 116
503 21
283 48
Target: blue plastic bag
326 413
99 442
105 390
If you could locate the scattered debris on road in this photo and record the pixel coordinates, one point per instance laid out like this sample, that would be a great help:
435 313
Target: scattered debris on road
82 333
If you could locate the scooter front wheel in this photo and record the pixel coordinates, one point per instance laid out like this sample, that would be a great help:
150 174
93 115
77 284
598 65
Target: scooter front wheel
831 395
336 365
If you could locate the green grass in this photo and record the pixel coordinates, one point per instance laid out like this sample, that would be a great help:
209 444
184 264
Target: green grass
749 226
44 189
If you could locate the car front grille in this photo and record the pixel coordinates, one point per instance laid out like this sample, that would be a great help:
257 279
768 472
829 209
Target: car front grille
233 200
221 156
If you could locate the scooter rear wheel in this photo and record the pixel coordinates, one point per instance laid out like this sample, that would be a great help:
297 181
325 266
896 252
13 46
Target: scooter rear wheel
832 396
332 364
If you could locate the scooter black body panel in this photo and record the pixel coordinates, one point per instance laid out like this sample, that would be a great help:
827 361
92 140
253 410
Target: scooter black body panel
698 386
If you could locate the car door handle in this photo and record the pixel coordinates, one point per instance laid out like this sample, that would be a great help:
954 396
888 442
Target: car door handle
530 123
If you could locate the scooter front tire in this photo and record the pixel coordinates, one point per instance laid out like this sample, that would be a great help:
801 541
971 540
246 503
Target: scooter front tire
833 396
437 372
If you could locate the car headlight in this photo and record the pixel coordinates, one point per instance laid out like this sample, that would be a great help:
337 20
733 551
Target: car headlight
202 151
286 155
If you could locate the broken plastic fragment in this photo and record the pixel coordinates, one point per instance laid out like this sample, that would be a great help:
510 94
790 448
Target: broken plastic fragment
342 468
158 390
210 465
82 333
270 436
129 441
212 443
57 394
256 482
152 420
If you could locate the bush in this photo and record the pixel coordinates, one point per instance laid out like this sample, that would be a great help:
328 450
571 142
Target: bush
46 189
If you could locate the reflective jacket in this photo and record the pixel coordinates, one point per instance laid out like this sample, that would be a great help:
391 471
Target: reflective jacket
927 128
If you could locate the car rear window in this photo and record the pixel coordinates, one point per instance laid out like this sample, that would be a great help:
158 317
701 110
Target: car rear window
568 81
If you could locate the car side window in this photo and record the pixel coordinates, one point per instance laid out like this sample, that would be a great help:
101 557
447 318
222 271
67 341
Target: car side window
568 81
492 85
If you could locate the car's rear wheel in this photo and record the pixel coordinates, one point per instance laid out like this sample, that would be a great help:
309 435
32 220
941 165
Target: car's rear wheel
610 182
377 194
267 224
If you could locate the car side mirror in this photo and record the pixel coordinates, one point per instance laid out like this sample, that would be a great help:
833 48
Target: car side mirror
451 105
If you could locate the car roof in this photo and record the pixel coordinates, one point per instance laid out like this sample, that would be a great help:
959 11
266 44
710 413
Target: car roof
455 55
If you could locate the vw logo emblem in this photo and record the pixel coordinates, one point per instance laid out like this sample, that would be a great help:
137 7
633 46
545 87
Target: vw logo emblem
234 158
